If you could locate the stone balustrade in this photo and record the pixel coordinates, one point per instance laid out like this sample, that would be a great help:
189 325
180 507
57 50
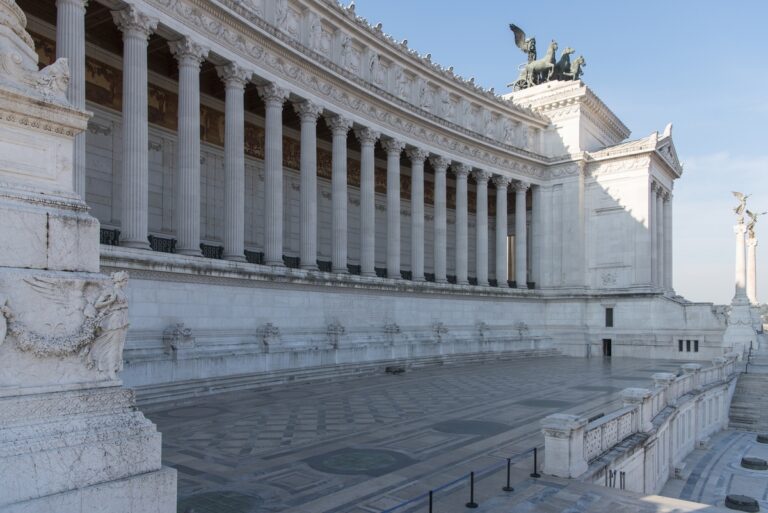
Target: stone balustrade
573 444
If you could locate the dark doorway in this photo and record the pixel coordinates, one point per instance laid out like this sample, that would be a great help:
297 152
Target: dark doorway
607 347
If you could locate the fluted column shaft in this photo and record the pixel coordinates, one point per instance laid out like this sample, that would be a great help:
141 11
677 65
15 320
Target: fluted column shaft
502 277
481 228
521 236
234 79
134 217
740 298
417 157
308 113
752 270
653 220
660 238
462 230
440 165
367 138
668 281
273 97
190 56
339 128
393 148
70 43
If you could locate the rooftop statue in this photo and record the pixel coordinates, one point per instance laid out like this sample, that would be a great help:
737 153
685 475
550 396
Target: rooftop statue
742 206
753 216
538 71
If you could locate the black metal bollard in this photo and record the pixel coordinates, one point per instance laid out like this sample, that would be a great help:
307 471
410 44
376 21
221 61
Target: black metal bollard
535 463
471 503
430 501
508 488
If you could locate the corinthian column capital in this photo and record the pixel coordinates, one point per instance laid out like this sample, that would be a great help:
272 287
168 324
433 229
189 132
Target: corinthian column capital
521 186
273 94
132 21
501 182
233 75
461 170
338 124
307 111
367 136
439 164
481 176
188 51
393 146
417 154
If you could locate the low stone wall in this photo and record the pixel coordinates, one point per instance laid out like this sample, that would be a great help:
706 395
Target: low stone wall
641 445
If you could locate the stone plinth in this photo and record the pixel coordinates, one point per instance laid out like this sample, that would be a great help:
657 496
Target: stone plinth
564 442
71 438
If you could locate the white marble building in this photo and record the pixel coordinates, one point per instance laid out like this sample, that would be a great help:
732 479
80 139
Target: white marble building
295 194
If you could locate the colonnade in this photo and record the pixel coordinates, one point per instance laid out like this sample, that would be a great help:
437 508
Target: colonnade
137 27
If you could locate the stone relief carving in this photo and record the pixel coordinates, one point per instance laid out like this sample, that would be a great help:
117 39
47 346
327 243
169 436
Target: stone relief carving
100 336
439 329
269 335
335 331
608 278
522 329
315 32
392 330
178 338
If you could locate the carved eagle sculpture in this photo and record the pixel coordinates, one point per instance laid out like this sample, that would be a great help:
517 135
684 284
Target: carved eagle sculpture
526 45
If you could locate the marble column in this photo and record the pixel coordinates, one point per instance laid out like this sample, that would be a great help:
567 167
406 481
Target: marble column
308 113
367 138
752 269
440 165
417 157
660 237
462 231
274 97
134 213
339 129
190 56
234 78
740 297
652 222
393 148
70 44
668 282
521 236
481 227
502 278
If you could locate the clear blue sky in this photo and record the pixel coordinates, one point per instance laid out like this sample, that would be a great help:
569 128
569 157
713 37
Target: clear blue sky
702 65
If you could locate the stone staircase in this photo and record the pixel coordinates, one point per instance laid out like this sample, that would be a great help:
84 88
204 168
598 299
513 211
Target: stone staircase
749 407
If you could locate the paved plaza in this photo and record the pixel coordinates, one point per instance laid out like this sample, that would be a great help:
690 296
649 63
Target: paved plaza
713 472
368 444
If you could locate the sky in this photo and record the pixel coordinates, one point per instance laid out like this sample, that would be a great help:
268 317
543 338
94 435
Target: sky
700 64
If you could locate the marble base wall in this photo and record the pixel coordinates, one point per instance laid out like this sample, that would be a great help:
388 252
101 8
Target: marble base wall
197 320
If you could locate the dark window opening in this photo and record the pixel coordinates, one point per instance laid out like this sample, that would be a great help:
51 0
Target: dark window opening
680 345
688 346
609 317
695 346
607 347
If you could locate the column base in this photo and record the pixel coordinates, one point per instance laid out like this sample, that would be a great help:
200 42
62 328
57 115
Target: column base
441 281
309 267
189 252
235 258
522 287
275 263
339 270
138 244
368 274
483 284
419 278
462 282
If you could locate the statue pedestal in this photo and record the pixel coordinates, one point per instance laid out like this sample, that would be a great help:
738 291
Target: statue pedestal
71 438
740 332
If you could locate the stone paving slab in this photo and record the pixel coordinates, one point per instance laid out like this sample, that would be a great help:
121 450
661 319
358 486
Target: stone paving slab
364 444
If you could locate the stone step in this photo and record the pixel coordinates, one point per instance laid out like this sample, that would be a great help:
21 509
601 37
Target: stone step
749 407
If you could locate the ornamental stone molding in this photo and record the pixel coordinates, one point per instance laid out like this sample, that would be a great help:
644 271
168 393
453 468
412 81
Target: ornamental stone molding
375 105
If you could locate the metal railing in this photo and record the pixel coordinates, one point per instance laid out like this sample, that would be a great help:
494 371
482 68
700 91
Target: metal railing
468 479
